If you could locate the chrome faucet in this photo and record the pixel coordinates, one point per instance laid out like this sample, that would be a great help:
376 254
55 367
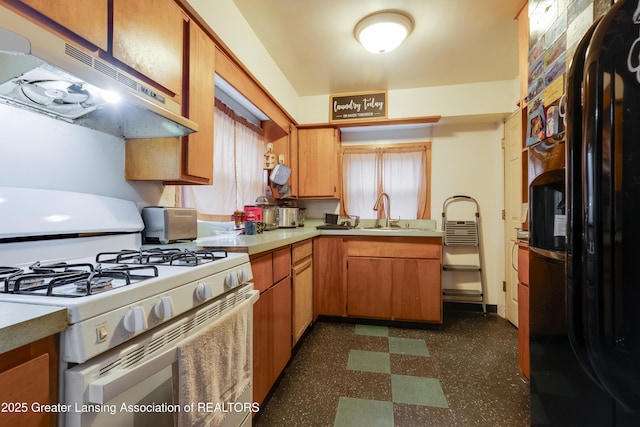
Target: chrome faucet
387 208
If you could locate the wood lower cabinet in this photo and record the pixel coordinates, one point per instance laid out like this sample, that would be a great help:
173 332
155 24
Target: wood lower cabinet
281 326
395 278
369 287
29 374
302 288
329 265
417 294
262 346
523 310
271 319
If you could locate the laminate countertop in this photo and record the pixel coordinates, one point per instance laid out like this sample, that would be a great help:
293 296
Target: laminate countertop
22 324
273 239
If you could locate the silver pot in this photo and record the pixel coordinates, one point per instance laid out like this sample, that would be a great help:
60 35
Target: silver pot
270 217
288 217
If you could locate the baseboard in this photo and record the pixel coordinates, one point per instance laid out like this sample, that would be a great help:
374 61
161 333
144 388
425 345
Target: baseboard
470 307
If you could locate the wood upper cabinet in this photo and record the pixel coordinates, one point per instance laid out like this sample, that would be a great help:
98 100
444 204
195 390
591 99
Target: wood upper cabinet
186 160
523 51
198 147
318 163
288 146
87 19
148 36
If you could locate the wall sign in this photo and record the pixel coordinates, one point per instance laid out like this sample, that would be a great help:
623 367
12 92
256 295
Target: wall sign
358 106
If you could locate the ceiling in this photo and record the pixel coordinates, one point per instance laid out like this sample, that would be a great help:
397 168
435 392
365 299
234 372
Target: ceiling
453 42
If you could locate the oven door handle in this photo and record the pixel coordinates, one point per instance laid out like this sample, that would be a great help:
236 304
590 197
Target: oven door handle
104 389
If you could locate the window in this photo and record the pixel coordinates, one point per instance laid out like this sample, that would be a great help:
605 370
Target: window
402 171
237 171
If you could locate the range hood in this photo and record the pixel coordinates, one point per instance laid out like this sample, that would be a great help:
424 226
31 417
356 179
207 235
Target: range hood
43 73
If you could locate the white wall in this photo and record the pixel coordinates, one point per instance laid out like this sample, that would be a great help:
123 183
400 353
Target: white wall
42 152
467 160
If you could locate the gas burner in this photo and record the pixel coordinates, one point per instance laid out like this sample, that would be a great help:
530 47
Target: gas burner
160 256
84 278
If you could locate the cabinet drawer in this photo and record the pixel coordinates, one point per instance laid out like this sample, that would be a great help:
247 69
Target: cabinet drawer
523 265
281 263
396 247
301 250
262 272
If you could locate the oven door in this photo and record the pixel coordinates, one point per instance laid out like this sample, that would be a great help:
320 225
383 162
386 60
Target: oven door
137 384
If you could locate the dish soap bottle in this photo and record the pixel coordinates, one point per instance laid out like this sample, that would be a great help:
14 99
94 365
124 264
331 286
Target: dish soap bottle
269 157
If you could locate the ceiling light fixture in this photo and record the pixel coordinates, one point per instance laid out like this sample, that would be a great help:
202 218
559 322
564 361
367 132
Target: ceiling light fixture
382 32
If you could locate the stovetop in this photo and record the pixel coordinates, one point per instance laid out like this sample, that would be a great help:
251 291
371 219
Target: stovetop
108 271
110 280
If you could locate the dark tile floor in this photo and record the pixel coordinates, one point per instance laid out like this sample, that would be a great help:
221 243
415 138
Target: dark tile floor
463 373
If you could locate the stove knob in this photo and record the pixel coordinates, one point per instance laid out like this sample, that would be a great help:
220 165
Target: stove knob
163 309
243 275
203 291
135 320
231 281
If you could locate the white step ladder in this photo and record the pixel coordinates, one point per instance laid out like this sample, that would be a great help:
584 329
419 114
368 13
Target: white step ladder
464 233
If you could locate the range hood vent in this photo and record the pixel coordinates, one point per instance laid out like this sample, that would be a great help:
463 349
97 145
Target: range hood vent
43 73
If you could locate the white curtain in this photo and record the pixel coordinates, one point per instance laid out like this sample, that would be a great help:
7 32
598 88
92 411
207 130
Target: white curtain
237 171
400 172
361 184
402 177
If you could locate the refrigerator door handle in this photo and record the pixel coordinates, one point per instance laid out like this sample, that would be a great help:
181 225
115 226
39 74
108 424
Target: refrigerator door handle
576 329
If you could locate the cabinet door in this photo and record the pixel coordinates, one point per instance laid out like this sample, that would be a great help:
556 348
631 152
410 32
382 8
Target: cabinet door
87 19
201 95
523 330
148 36
18 386
281 325
417 290
263 346
318 172
369 284
302 290
329 287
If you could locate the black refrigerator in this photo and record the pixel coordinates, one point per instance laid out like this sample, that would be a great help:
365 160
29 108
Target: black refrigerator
585 288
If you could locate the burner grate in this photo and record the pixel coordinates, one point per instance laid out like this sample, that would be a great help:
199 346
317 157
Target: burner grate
85 278
161 256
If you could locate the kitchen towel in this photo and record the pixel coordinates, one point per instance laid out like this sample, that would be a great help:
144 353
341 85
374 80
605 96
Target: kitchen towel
215 366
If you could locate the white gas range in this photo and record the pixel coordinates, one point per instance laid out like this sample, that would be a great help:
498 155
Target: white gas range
129 308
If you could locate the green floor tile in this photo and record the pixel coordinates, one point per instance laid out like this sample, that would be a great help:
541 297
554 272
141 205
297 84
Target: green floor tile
409 346
371 330
417 391
365 413
370 361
